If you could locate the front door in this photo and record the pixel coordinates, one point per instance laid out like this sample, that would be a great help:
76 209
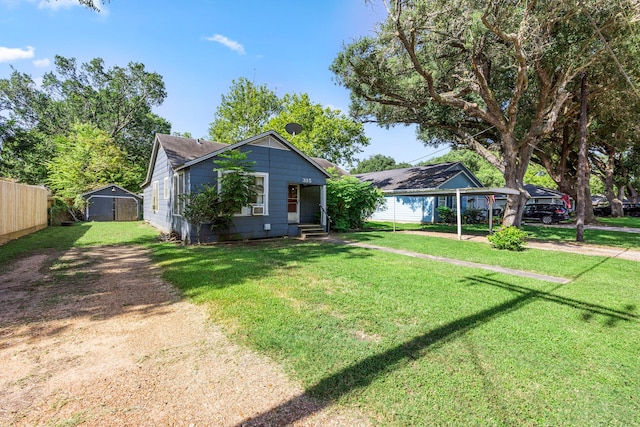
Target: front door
293 204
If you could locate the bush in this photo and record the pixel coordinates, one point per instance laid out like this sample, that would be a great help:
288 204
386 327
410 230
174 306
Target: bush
350 202
473 216
510 238
446 214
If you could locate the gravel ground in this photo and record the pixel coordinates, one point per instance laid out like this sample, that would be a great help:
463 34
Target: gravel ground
97 338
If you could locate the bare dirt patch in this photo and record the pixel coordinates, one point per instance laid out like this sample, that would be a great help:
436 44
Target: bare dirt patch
95 337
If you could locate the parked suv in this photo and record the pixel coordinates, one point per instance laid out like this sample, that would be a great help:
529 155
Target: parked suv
546 213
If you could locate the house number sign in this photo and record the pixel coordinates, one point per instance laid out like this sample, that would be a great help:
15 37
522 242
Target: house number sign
306 180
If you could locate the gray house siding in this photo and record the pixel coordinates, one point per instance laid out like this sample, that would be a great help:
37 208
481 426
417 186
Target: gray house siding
284 168
162 218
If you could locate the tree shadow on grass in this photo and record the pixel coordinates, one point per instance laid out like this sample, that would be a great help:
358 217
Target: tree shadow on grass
361 373
197 270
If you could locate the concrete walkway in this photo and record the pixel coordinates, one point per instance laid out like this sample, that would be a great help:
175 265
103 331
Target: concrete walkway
458 262
572 247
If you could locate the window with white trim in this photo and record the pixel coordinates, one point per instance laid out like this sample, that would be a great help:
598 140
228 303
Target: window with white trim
178 191
259 204
167 190
155 196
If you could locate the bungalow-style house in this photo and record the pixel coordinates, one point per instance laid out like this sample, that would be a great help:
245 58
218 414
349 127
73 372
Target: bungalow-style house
407 191
291 190
112 203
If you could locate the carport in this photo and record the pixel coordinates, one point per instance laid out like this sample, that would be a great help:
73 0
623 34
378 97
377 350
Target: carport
458 192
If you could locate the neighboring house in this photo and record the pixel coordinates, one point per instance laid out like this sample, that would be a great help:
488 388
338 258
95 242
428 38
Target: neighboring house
417 207
112 203
291 186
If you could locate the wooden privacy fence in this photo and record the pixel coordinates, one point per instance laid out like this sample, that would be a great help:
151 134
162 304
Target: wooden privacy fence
23 210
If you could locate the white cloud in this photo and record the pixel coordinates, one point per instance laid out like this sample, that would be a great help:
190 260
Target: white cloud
231 44
8 54
42 62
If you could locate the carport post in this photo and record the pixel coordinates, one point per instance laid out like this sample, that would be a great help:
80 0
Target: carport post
490 199
458 214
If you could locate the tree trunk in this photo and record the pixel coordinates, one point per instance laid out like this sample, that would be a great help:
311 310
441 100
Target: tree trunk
513 175
609 192
583 177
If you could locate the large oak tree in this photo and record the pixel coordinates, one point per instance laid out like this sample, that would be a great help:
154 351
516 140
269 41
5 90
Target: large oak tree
492 76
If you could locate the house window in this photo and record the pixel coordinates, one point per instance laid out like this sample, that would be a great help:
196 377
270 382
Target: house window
442 201
178 192
259 204
155 196
166 188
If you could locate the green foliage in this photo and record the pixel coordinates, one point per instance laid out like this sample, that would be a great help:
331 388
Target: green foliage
243 112
200 207
487 173
24 155
510 238
248 110
484 76
537 175
118 101
326 133
216 205
350 202
377 163
446 214
472 216
87 159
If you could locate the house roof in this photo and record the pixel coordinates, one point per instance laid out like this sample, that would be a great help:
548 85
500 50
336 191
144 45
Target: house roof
184 152
327 165
536 191
418 177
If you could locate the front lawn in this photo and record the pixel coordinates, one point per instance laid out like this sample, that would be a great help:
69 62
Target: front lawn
536 232
411 341
418 342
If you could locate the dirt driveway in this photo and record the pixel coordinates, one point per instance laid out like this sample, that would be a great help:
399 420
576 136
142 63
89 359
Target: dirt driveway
95 337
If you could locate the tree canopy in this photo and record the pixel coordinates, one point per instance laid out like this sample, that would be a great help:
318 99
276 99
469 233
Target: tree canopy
377 163
494 77
249 109
117 100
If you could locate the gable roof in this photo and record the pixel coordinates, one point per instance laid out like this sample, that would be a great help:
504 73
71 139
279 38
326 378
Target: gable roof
184 152
97 190
537 191
418 177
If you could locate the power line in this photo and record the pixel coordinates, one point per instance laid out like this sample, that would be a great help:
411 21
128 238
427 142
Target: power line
445 148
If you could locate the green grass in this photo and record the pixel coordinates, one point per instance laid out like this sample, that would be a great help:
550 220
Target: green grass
411 341
536 232
417 342
627 221
80 234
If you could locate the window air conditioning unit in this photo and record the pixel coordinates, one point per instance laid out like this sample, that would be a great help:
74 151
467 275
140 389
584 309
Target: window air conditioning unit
257 210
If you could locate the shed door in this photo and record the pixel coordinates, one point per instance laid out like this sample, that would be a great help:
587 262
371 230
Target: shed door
126 210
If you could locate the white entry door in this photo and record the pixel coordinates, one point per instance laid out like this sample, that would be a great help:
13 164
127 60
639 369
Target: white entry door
293 204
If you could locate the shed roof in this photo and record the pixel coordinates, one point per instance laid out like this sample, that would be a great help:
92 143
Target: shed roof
109 186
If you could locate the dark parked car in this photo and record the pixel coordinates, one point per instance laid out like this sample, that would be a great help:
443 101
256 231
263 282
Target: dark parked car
546 213
629 209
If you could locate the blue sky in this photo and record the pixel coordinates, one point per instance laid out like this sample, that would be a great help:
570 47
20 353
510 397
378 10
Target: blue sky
199 47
